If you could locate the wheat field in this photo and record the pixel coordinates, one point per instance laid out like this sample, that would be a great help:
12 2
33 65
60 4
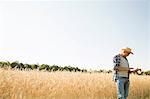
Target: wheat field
16 84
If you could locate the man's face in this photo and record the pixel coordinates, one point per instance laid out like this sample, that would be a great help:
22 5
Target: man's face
125 53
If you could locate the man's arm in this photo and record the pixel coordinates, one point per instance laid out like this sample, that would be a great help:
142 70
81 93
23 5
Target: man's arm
116 63
124 69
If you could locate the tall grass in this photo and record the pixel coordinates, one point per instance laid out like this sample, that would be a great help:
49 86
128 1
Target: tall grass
15 84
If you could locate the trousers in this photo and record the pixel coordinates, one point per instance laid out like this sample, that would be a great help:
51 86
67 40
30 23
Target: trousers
122 87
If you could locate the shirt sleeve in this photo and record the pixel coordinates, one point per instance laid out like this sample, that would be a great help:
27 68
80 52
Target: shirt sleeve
116 62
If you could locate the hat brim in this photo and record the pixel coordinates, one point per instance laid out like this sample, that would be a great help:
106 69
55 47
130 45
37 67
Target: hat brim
131 53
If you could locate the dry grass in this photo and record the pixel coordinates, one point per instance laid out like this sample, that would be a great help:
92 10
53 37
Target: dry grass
15 84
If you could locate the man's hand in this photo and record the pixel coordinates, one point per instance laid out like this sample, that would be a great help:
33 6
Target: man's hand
132 70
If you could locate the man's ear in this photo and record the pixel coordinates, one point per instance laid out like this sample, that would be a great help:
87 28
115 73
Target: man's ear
123 51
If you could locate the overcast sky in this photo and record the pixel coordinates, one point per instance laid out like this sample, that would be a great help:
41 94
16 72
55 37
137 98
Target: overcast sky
82 33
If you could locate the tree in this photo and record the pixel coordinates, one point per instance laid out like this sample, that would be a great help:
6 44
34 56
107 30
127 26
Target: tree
34 66
44 66
15 64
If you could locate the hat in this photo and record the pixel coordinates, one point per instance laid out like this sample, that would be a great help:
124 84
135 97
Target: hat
127 49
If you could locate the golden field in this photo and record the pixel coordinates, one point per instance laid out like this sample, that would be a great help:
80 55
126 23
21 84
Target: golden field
16 84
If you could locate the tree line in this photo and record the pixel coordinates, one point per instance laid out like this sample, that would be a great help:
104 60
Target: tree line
50 68
22 66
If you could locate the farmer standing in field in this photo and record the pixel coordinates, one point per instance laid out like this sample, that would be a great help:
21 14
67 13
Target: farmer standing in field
121 72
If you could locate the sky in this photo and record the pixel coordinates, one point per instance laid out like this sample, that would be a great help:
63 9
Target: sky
83 33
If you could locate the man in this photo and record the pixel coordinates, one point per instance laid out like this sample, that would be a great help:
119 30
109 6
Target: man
122 71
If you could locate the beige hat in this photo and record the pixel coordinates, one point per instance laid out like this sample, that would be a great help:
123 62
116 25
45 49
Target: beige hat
127 49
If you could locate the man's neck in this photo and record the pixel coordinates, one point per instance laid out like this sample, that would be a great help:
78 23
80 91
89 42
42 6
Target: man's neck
123 55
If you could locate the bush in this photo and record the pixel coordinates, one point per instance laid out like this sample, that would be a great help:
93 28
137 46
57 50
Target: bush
147 72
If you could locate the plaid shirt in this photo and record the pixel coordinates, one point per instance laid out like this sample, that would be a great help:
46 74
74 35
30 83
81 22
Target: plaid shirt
116 64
